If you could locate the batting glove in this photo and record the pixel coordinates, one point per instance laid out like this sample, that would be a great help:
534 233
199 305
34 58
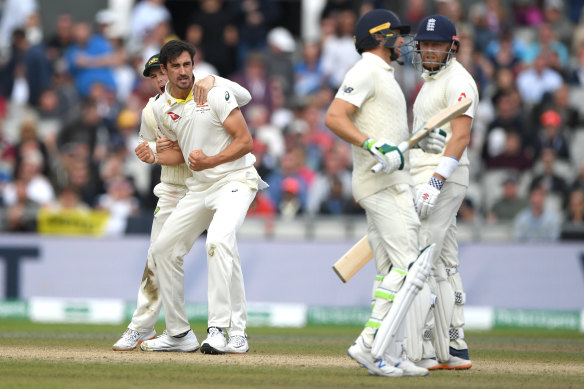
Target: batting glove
434 142
390 157
427 196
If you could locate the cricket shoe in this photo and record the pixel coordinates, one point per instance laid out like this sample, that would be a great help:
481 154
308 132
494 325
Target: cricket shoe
361 353
215 342
165 342
130 339
455 363
410 369
428 363
237 345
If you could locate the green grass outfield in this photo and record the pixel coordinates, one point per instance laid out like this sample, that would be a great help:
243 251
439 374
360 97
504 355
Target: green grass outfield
80 356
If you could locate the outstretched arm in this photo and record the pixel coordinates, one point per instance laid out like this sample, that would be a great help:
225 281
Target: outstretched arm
202 87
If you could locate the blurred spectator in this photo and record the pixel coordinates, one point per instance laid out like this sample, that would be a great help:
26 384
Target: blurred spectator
22 212
253 19
483 34
547 44
61 39
15 14
202 68
255 79
506 51
308 73
578 183
68 199
548 178
262 205
536 223
510 204
575 211
84 130
258 118
338 51
280 67
537 80
556 18
576 74
560 103
146 15
466 212
37 187
120 202
415 12
290 204
552 136
89 59
291 165
331 191
527 13
211 30
512 155
27 72
7 157
317 139
29 142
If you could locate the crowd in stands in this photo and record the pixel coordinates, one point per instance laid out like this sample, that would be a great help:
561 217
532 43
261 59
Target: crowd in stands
70 104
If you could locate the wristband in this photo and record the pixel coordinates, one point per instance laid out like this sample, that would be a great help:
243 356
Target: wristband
447 166
367 144
155 159
436 182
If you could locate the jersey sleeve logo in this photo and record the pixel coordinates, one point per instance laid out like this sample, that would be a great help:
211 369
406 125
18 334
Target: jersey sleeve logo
348 90
462 96
173 115
227 96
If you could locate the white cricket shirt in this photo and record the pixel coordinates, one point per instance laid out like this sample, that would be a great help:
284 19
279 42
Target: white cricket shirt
175 175
370 85
439 91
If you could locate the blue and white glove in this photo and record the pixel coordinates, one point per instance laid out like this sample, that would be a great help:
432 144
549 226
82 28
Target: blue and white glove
390 157
427 196
434 142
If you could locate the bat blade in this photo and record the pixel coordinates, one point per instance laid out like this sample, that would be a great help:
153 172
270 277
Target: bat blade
353 260
441 118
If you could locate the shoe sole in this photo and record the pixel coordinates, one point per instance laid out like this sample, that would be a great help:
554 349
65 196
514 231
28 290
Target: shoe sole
460 367
236 351
208 349
170 350
371 372
133 348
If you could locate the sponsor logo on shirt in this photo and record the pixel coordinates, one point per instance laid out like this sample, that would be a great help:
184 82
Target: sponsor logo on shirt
173 115
348 90
226 96
462 96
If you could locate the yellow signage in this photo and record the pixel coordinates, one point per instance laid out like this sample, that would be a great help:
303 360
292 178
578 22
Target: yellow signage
72 222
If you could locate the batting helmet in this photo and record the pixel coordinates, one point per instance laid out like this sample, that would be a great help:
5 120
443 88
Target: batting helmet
376 27
438 28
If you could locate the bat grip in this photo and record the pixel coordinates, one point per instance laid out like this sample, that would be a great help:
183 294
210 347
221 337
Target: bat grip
403 147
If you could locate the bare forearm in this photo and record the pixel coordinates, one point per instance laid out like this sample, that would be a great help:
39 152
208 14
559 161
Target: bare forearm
237 149
170 157
345 129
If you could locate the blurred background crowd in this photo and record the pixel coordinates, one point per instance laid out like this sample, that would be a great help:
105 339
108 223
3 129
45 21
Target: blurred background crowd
71 95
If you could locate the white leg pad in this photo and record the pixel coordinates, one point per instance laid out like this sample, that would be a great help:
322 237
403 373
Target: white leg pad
415 323
414 282
456 326
443 309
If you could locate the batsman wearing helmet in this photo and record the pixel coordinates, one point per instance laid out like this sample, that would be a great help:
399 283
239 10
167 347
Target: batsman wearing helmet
369 111
154 149
441 181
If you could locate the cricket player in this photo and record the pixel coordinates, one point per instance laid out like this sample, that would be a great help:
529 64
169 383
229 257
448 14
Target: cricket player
441 181
369 111
214 140
170 189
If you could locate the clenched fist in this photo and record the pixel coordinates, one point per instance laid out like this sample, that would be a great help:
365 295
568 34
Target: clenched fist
199 161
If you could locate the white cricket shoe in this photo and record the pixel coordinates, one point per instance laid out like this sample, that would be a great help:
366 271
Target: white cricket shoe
428 363
237 345
361 353
410 369
215 342
130 339
165 342
455 363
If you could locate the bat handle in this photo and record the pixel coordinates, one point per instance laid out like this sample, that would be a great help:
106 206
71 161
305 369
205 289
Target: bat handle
403 147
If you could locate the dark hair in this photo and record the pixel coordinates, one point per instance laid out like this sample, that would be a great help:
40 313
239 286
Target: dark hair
173 49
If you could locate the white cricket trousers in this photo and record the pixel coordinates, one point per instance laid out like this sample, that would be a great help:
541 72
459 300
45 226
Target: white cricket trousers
221 211
149 303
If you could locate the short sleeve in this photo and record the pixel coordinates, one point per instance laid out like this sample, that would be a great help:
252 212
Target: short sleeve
221 101
463 88
357 87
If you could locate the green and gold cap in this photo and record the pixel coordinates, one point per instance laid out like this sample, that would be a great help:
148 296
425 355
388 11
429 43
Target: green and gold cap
153 62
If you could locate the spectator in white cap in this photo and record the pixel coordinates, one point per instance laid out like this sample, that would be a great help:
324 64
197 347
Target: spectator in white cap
281 46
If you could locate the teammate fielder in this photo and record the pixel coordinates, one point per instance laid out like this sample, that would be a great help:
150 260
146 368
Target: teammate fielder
370 105
170 189
216 143
441 181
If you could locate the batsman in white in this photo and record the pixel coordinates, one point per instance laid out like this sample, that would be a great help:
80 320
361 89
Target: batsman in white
441 181
171 188
369 111
214 140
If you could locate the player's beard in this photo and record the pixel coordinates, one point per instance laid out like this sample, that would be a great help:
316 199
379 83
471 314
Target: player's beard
189 85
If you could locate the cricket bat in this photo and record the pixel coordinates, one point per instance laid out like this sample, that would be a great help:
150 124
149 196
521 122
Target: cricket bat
354 259
441 118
